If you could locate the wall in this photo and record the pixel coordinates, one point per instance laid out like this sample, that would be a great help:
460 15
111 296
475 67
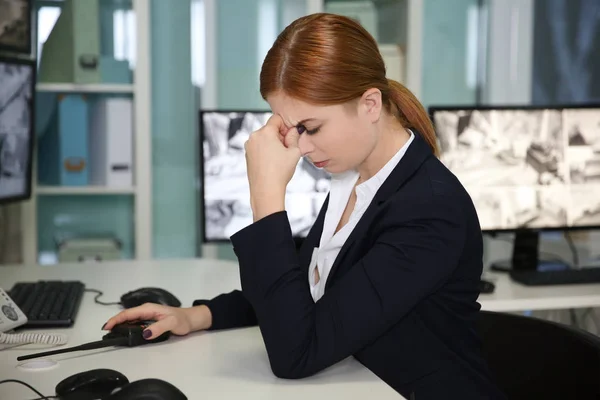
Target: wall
245 31
449 52
174 154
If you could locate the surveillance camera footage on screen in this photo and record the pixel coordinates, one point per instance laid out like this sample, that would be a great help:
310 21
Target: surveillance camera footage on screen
15 123
225 184
525 168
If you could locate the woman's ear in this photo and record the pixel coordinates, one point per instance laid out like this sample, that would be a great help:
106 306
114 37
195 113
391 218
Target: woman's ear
371 104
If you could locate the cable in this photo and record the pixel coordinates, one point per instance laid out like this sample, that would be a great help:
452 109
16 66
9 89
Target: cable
573 249
596 324
573 316
100 293
42 397
589 313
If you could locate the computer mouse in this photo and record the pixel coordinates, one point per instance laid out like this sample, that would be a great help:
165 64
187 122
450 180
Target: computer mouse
90 385
148 389
486 286
140 296
133 332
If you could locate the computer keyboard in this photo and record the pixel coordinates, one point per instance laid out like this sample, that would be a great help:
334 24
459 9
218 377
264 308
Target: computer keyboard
560 277
48 303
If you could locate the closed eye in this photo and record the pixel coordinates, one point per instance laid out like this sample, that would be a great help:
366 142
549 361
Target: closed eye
301 129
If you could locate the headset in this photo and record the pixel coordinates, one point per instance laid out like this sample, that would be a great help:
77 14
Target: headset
107 384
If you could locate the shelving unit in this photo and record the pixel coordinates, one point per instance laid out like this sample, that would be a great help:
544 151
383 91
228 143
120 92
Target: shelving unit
83 190
88 88
142 189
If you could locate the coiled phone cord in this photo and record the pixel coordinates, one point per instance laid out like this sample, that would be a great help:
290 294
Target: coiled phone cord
51 339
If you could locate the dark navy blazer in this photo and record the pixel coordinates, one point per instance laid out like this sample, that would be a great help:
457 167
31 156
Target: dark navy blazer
401 296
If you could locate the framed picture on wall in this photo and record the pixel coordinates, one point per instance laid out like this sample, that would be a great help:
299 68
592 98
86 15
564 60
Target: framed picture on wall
15 26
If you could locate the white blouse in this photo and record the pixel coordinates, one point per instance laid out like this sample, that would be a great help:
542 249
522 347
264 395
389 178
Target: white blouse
341 187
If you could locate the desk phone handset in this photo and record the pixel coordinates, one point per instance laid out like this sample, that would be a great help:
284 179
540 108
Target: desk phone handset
126 335
12 317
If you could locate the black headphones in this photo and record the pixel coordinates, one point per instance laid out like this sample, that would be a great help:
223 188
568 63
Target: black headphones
108 384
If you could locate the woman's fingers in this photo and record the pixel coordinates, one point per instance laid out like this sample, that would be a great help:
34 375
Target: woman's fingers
291 138
143 312
282 137
159 327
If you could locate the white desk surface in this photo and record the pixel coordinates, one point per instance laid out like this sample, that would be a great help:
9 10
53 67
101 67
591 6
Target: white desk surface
224 364
513 296
229 364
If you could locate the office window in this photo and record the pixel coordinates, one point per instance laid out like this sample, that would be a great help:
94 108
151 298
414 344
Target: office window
124 36
198 41
454 52
566 60
46 18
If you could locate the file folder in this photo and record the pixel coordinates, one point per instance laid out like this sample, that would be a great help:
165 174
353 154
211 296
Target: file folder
63 148
111 142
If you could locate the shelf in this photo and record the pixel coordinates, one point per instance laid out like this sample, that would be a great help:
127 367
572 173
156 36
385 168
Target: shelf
84 88
82 190
131 202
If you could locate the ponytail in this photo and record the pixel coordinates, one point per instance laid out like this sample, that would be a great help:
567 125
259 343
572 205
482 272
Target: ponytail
412 114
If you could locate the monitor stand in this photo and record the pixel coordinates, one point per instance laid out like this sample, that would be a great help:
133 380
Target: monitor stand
525 255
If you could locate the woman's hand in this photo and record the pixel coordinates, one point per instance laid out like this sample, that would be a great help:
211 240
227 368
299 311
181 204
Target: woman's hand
272 155
180 321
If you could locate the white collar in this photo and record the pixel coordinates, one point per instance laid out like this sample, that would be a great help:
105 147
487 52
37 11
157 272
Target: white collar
370 186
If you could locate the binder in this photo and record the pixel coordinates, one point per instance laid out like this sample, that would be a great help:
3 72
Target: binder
111 142
72 51
63 149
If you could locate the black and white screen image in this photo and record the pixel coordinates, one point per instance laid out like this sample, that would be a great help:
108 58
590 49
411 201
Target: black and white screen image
521 207
225 184
503 148
15 128
535 168
583 131
586 205
15 25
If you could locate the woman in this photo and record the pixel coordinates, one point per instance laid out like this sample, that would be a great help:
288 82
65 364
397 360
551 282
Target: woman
389 272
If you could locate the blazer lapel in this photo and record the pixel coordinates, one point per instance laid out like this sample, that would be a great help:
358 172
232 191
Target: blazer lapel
313 238
412 160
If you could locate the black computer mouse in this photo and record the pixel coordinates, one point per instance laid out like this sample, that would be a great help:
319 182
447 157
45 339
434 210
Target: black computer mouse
148 389
149 295
90 385
486 287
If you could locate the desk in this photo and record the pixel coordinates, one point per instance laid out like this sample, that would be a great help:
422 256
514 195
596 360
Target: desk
229 364
513 296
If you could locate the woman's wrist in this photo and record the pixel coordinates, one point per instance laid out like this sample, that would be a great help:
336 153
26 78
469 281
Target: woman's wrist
267 201
199 317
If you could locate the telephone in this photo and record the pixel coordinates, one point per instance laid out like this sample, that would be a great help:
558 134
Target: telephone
12 317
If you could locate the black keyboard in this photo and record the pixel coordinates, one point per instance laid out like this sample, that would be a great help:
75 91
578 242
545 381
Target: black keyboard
48 304
562 277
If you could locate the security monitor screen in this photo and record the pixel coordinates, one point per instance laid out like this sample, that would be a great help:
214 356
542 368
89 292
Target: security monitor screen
16 89
226 194
525 168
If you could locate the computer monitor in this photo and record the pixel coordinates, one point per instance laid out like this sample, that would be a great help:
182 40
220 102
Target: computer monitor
527 169
224 187
17 88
